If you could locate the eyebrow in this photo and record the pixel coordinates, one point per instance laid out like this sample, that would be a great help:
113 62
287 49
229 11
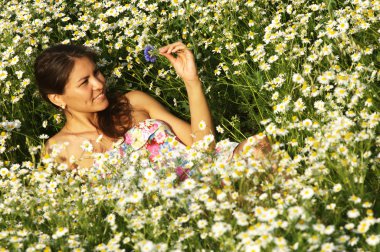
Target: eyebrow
81 79
95 70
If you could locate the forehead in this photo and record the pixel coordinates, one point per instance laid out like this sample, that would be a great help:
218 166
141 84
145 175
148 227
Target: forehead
82 68
83 63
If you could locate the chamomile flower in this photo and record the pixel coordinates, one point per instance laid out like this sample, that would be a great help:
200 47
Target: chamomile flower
363 226
61 231
202 125
353 213
307 193
111 219
149 174
202 223
87 146
295 212
219 228
189 184
356 56
4 172
373 240
219 129
297 78
135 197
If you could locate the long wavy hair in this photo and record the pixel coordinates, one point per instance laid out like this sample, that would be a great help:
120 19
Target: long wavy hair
52 69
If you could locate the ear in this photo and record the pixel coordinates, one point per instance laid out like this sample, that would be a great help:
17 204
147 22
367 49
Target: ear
57 100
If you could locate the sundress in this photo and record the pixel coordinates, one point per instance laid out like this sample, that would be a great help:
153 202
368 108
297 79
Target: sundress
154 139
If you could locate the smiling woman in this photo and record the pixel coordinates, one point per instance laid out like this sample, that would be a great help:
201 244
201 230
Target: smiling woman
84 90
67 77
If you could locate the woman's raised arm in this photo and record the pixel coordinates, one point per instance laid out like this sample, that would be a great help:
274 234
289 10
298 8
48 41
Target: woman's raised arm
184 64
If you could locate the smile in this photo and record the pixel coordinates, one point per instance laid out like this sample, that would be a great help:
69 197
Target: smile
100 96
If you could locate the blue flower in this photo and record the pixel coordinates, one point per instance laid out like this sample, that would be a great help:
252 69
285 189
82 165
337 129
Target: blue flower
149 53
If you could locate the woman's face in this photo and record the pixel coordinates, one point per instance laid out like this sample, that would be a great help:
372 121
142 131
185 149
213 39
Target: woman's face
85 89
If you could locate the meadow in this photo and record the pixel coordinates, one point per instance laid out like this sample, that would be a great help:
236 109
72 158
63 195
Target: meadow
304 73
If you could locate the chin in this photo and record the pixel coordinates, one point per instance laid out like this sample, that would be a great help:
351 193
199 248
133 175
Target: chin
104 106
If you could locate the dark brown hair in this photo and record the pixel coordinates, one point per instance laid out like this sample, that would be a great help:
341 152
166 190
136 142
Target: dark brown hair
52 69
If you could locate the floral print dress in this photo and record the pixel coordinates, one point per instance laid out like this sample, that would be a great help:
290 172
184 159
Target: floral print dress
155 140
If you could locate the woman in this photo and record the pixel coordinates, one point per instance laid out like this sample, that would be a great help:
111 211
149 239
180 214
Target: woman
67 76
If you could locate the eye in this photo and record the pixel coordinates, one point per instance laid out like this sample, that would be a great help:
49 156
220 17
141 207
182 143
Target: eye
84 82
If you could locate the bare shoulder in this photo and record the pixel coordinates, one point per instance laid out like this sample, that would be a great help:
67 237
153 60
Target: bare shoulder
67 149
51 142
58 138
62 146
137 98
143 101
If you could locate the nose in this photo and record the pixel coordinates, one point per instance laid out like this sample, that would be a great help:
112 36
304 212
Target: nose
97 83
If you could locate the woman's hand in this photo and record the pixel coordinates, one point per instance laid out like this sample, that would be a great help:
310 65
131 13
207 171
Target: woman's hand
184 63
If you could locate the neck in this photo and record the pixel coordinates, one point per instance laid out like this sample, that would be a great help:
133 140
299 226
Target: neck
80 122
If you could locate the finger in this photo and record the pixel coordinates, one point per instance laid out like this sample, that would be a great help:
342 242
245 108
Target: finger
180 51
168 49
170 57
175 48
179 48
176 43
165 48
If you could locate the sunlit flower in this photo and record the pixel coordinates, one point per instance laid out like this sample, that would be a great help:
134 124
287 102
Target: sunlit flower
146 246
111 219
43 136
331 206
355 199
86 146
297 78
295 212
337 188
307 193
4 172
219 129
354 213
299 105
367 204
202 224
328 247
202 125
149 174
62 167
188 184
219 228
60 232
363 226
356 57
373 240
135 197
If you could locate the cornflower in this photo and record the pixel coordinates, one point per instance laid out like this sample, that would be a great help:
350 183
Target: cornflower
150 54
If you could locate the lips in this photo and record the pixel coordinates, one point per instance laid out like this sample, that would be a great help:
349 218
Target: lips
100 96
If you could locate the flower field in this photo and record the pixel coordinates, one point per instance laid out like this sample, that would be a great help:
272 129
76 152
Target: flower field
304 73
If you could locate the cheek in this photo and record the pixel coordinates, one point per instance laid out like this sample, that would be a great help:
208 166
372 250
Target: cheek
81 95
85 91
102 78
